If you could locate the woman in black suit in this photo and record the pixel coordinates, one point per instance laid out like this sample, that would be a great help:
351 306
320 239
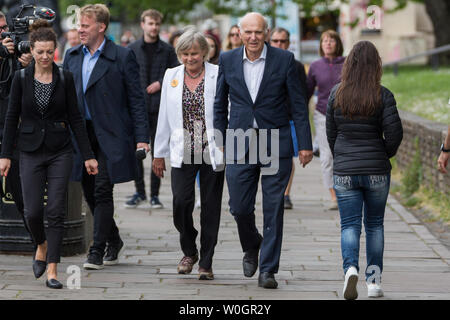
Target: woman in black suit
44 98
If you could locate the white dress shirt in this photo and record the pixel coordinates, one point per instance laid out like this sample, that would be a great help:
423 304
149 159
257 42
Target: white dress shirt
253 74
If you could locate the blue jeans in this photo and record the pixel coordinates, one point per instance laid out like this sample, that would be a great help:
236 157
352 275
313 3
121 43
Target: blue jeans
353 194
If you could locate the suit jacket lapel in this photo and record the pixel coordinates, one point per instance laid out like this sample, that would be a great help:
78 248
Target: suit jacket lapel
268 70
101 66
99 70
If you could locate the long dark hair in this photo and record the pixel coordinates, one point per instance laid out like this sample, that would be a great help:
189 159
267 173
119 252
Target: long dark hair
359 91
215 59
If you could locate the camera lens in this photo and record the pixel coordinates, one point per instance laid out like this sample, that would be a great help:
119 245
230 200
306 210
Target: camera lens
24 47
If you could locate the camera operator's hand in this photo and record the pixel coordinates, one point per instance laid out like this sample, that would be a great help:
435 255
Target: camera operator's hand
25 59
9 44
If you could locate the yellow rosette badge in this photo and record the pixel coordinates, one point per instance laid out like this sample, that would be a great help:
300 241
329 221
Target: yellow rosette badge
174 83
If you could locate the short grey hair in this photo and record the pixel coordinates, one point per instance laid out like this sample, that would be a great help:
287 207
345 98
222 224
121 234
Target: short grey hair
280 30
266 24
2 15
189 37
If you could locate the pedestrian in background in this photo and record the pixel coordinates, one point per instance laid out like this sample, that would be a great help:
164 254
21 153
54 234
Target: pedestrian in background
111 101
215 49
233 39
445 153
324 74
154 57
279 38
45 146
174 38
364 130
73 40
185 119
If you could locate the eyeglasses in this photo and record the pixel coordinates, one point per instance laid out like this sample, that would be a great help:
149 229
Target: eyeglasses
279 40
4 28
233 34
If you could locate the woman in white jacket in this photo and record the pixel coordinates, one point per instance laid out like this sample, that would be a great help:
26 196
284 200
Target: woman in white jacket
185 135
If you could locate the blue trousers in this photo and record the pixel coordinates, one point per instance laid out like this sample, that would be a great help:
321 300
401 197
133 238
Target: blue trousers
355 195
242 180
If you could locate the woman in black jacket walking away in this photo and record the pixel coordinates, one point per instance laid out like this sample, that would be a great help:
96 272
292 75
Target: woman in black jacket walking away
363 130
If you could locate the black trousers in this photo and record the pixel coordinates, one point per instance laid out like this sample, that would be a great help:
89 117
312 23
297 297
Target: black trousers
37 169
155 182
183 189
98 192
14 186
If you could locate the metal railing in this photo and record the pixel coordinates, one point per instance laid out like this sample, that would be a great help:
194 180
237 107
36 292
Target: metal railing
434 53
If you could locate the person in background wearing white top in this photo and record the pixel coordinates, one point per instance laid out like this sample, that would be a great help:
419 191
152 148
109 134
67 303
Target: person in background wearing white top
445 153
184 133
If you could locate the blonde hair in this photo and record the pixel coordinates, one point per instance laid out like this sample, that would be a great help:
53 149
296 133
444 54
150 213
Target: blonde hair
99 11
187 40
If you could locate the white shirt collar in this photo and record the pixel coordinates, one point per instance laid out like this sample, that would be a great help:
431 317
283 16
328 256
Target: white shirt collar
262 56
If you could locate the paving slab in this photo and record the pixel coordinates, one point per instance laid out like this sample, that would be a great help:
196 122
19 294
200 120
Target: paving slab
416 264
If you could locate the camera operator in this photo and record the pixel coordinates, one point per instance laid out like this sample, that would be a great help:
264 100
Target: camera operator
10 61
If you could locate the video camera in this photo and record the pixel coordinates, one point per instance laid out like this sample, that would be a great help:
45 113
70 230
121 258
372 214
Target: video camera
20 24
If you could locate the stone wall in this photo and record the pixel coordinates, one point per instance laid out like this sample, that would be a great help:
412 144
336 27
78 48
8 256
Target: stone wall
431 134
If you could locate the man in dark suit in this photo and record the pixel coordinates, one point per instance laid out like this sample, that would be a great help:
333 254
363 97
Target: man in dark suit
111 100
154 57
257 79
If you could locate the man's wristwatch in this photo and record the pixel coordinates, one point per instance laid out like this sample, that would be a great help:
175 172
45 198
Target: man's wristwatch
443 149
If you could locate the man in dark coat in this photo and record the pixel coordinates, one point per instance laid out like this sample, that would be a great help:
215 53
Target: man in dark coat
154 57
110 98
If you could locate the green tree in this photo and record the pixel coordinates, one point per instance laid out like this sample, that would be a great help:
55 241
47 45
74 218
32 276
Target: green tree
130 10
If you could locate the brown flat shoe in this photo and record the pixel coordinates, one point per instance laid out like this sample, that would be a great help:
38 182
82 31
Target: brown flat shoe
186 263
204 274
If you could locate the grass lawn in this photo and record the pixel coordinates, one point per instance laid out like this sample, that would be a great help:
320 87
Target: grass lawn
421 90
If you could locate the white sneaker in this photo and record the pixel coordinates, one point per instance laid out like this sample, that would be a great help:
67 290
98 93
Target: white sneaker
351 280
333 205
374 290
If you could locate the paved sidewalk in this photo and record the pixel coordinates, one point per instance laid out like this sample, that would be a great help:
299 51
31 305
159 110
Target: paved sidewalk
416 264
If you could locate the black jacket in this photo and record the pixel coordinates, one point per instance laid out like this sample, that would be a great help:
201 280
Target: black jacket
363 146
163 58
50 128
8 66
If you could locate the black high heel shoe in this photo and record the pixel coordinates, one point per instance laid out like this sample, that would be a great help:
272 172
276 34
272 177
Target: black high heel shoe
53 284
39 266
